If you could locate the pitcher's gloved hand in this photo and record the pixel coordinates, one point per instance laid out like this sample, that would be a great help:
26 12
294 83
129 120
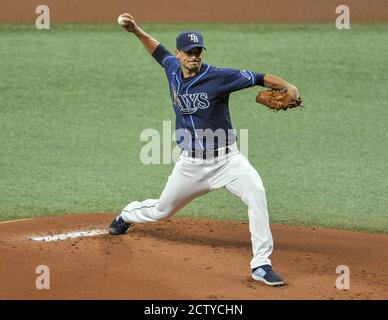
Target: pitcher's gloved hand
276 100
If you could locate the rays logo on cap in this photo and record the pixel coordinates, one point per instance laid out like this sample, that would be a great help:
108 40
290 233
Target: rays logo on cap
188 40
193 37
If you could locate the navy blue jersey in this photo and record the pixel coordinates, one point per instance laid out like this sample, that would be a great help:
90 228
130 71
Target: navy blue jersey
201 102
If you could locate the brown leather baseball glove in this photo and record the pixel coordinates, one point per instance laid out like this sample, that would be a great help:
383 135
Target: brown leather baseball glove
276 100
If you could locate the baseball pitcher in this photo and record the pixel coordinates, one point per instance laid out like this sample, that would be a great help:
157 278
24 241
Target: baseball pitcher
200 97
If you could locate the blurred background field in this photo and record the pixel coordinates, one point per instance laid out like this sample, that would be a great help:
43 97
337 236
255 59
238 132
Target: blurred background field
74 100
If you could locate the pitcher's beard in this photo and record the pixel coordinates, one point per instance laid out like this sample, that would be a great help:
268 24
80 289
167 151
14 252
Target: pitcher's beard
194 67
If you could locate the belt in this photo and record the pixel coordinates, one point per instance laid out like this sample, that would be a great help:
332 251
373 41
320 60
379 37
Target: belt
208 154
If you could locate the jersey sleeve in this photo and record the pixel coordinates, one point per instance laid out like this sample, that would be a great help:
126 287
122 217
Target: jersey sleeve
164 57
235 80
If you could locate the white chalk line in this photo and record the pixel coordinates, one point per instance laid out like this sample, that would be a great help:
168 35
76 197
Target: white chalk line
11 221
71 235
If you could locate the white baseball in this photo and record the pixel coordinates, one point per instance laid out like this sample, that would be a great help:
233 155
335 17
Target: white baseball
121 22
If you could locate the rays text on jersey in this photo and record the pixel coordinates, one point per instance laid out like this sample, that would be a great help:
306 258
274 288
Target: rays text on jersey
190 103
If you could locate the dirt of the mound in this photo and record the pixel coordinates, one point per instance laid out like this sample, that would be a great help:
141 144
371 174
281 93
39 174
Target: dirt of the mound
183 258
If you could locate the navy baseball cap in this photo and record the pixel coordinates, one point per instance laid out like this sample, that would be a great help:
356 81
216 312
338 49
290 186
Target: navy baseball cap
188 40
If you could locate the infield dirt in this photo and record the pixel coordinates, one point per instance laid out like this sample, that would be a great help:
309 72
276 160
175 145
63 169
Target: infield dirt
183 258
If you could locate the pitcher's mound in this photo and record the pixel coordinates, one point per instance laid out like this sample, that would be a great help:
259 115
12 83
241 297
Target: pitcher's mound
183 258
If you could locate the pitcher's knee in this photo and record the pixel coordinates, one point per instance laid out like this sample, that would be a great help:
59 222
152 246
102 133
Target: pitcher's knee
254 194
253 190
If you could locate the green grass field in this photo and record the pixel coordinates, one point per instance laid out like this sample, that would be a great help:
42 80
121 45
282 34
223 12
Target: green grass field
74 99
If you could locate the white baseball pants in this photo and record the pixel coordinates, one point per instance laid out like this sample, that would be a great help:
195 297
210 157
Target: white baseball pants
193 177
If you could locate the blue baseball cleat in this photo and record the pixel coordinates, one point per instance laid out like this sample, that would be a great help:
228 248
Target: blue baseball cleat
119 226
267 275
